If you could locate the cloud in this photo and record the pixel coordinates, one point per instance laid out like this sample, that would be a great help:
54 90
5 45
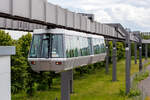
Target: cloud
134 14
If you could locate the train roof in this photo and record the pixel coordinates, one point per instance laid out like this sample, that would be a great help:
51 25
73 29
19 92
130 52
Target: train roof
66 32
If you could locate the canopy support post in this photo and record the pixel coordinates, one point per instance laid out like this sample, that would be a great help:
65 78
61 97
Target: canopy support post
140 55
146 52
114 72
135 53
107 57
128 62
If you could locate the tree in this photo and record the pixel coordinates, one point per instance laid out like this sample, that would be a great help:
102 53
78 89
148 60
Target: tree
24 43
20 64
5 39
120 50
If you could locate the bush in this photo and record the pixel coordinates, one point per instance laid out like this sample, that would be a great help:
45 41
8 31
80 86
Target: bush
134 93
30 91
122 93
141 76
120 51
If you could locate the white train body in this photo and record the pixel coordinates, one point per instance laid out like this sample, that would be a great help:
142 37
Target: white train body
59 50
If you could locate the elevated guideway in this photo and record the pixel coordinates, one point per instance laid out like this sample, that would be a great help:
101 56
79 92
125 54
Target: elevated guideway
27 15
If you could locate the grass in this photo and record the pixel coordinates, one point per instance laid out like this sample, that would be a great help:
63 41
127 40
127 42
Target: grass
148 98
94 86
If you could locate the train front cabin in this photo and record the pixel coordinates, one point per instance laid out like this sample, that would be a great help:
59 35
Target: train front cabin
59 50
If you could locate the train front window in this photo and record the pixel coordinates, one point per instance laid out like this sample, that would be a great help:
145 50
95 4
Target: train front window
36 46
47 46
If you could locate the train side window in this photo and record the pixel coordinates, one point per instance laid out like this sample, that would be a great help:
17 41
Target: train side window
86 46
78 45
75 40
67 45
104 49
96 46
89 46
100 45
82 46
80 50
57 46
72 45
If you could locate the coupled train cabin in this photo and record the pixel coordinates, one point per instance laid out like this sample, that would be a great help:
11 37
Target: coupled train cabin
59 49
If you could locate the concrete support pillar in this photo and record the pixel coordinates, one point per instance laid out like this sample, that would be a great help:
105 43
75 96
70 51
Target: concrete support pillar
128 63
114 55
146 52
65 85
135 53
71 80
107 57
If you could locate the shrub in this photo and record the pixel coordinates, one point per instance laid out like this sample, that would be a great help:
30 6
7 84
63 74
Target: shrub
134 93
141 76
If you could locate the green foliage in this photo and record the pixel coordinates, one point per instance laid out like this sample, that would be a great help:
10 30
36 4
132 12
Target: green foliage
143 50
31 89
24 44
120 50
89 68
145 37
19 64
122 93
5 39
141 76
134 93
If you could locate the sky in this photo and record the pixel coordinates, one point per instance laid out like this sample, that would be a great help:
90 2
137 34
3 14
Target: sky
133 14
16 34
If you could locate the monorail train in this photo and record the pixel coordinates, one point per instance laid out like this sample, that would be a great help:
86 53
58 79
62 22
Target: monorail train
59 50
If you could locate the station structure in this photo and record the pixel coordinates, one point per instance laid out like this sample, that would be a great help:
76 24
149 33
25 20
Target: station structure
27 15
